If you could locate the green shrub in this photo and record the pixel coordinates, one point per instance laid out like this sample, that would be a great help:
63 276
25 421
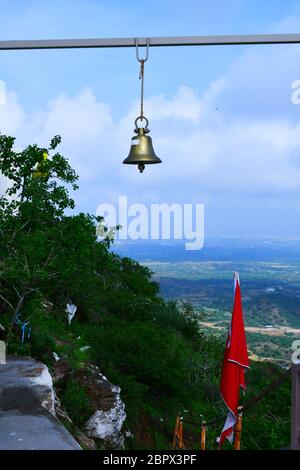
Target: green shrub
76 402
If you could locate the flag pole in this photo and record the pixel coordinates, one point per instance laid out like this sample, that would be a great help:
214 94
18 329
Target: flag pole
180 434
203 435
175 433
238 429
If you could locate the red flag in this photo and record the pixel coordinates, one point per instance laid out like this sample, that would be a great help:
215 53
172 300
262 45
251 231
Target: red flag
234 364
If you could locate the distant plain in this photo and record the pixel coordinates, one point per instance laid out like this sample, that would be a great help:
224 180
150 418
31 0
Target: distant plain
269 271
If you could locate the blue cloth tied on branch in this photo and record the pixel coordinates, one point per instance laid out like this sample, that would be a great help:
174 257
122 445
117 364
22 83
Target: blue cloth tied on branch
25 325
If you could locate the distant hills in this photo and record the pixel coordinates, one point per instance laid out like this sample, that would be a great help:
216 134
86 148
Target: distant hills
270 279
215 249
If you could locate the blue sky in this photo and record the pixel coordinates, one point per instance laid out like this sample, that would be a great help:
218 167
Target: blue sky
221 118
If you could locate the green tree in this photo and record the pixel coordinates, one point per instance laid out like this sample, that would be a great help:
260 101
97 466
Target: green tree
45 254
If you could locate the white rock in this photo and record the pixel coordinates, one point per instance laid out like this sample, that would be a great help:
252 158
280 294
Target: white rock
107 425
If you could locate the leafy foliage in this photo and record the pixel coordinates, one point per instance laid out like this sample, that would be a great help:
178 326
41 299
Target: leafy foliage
77 402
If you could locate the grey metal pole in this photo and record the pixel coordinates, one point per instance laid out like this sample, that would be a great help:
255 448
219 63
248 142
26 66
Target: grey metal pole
295 418
154 41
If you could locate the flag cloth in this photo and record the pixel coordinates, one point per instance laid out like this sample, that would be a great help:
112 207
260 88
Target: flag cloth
234 364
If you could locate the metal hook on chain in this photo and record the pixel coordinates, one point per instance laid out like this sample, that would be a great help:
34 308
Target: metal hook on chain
137 50
141 76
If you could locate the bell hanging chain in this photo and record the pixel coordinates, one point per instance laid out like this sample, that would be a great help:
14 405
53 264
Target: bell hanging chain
142 88
142 76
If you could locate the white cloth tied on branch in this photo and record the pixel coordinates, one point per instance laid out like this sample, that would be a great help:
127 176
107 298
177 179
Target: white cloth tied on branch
71 310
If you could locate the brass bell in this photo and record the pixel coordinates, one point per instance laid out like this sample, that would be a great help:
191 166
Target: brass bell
141 151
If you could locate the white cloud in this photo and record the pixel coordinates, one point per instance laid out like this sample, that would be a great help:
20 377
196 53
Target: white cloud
197 146
12 114
183 106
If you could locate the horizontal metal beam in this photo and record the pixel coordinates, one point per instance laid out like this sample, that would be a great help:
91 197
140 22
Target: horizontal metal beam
154 41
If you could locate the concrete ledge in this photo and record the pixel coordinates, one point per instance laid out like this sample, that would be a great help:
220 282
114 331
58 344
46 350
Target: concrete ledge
34 432
27 416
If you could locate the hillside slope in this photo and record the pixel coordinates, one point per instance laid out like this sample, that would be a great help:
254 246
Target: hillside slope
152 349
